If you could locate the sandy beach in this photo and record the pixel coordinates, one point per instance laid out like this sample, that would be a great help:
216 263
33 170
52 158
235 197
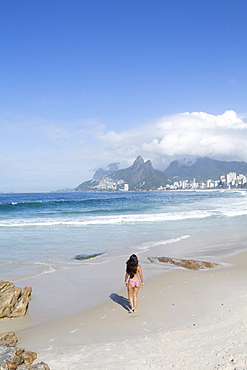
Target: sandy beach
185 320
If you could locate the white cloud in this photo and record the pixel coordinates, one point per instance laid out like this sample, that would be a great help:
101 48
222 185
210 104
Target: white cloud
111 138
187 134
36 154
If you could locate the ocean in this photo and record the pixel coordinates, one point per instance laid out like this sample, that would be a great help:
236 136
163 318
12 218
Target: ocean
41 233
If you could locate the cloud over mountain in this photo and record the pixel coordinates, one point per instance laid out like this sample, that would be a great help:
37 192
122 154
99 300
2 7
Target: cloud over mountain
187 134
53 154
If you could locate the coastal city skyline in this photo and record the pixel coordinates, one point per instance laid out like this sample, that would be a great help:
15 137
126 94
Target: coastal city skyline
84 82
229 180
204 173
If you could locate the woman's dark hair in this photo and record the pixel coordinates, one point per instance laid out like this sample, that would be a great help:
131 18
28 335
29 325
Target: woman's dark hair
132 264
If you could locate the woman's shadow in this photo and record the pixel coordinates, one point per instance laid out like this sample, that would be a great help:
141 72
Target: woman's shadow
122 301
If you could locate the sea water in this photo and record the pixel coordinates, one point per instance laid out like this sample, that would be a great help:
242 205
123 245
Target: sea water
43 232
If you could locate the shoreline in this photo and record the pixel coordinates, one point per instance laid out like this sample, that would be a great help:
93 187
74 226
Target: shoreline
76 289
181 314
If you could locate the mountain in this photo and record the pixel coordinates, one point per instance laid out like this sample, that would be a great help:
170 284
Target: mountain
140 176
112 167
204 168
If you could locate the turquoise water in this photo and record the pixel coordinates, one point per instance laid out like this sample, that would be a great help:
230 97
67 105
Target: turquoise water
43 232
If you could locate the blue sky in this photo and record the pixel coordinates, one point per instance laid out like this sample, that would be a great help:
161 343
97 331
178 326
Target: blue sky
87 83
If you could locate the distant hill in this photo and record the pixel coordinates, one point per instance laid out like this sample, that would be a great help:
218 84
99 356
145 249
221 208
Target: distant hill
112 167
140 176
204 169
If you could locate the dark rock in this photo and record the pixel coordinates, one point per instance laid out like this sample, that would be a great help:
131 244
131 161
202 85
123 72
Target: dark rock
188 264
82 257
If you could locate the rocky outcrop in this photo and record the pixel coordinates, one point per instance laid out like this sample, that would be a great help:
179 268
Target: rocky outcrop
141 171
141 176
13 300
83 257
188 264
14 358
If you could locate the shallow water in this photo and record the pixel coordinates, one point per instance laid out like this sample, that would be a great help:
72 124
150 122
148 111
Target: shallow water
42 233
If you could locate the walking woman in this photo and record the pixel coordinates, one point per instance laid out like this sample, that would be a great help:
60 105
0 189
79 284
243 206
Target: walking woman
133 280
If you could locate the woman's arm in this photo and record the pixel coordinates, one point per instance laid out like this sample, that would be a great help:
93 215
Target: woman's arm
126 279
141 275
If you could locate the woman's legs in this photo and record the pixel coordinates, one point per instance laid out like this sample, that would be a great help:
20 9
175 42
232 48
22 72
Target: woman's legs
135 294
132 295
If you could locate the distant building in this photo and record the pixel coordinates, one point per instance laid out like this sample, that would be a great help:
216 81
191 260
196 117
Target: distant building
222 181
231 178
241 180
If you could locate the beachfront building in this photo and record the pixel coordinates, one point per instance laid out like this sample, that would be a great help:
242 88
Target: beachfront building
231 178
125 187
210 184
108 184
194 184
241 180
222 181
176 185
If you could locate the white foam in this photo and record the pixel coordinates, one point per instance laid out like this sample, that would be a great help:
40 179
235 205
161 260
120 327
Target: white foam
104 220
33 272
235 213
51 271
149 245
